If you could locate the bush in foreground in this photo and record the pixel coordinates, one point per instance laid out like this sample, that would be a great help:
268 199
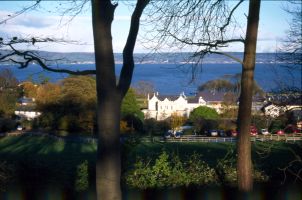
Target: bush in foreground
168 171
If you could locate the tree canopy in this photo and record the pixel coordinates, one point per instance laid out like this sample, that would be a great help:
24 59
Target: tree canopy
130 105
9 92
231 84
203 112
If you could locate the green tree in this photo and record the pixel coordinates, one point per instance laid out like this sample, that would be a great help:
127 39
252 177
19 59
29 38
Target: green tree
130 105
9 93
203 112
131 113
204 118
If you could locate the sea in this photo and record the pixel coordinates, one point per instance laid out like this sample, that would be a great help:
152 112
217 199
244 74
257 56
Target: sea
174 79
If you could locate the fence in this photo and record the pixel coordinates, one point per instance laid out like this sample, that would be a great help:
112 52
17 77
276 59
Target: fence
262 138
184 138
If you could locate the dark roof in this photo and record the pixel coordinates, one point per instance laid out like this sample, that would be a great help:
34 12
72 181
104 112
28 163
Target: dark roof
25 100
194 99
286 99
211 96
26 108
169 97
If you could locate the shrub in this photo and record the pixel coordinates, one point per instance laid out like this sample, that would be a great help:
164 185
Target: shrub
170 171
7 124
227 172
81 182
6 174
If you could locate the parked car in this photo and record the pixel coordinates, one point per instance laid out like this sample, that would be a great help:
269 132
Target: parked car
19 128
178 134
222 133
279 132
253 130
231 133
264 131
213 133
291 129
168 134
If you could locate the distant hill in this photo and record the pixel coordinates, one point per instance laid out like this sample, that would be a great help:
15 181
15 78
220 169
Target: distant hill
157 58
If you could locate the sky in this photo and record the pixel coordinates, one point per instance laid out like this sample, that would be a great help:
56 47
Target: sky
47 21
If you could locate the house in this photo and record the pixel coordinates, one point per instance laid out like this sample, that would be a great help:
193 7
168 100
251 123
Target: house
26 101
272 110
281 103
161 107
26 109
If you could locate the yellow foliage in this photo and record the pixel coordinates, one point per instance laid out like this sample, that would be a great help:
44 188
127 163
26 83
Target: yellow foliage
29 89
123 127
48 93
176 120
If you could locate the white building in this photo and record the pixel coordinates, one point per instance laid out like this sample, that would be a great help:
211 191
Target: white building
27 109
161 107
27 114
272 110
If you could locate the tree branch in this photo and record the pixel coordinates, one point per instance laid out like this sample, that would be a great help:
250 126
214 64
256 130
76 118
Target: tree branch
230 16
227 55
128 61
20 12
211 44
30 57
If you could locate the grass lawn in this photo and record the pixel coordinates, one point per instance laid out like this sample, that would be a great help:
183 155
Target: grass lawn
42 165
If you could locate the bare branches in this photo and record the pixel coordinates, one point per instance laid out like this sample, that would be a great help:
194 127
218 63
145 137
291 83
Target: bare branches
20 12
222 29
203 24
25 58
73 9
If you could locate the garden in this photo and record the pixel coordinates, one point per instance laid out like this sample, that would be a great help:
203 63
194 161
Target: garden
35 166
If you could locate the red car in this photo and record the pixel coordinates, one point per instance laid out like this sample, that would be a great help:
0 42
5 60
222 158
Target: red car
280 132
253 130
232 133
291 129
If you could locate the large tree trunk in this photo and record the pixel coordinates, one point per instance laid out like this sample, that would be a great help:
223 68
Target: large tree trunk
110 94
108 165
244 162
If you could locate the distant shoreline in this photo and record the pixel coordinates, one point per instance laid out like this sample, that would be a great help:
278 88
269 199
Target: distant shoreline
174 79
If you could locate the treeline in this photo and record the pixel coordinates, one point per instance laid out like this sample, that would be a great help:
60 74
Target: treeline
9 94
70 105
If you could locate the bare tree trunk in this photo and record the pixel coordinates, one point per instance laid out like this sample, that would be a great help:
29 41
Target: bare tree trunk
110 94
108 163
108 166
244 162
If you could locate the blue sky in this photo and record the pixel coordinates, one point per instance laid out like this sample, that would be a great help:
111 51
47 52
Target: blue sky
44 22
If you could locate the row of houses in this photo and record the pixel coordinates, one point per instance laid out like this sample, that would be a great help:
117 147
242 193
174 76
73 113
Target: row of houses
161 107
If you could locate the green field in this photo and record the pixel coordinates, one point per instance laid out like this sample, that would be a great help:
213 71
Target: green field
40 165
